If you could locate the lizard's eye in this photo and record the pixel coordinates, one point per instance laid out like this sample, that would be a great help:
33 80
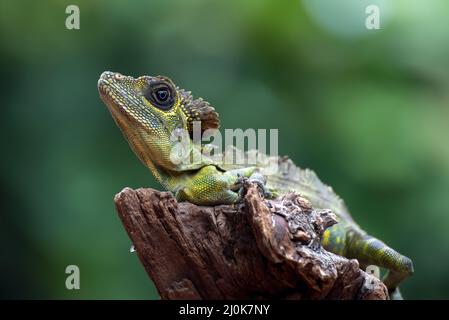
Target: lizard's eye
160 95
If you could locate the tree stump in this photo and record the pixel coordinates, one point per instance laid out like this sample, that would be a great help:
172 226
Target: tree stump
259 249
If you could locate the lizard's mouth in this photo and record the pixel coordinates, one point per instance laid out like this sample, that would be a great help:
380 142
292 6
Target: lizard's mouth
106 87
112 93
114 98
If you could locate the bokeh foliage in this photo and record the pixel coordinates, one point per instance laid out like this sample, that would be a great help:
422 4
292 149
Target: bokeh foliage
368 110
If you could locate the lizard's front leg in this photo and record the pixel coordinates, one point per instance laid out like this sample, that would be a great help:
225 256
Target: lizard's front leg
210 186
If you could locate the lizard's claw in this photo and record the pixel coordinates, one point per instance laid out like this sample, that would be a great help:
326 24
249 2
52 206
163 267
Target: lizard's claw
257 179
261 182
240 186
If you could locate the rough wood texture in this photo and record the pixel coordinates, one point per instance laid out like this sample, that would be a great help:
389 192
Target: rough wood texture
257 250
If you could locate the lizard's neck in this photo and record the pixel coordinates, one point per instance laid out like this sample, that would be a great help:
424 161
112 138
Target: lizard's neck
169 180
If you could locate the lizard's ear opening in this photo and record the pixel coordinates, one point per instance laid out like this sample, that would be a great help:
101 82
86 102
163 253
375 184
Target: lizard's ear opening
198 110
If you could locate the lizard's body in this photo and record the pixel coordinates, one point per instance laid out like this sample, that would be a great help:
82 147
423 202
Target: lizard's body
149 109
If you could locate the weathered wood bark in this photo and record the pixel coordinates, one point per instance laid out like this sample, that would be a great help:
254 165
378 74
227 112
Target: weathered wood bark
259 249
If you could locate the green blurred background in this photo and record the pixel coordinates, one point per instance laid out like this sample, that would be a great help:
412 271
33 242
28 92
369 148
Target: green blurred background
367 109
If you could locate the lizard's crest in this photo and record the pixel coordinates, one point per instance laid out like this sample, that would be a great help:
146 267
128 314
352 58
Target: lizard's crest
198 110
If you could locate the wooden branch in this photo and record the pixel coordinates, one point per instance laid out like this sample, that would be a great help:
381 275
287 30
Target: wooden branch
259 249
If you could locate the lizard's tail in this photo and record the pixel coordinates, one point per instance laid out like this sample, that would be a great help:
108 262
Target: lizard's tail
371 251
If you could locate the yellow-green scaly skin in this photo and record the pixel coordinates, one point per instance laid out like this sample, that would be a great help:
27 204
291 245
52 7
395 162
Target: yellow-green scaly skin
148 109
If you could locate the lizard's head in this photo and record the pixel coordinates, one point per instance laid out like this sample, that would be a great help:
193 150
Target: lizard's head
148 109
147 102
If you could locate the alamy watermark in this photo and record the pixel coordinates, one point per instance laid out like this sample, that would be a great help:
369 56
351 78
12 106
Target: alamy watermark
199 146
73 19
374 273
72 282
372 21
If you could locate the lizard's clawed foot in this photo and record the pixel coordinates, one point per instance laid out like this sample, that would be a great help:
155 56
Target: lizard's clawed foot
257 179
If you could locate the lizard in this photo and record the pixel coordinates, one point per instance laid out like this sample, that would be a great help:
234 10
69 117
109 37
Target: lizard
149 109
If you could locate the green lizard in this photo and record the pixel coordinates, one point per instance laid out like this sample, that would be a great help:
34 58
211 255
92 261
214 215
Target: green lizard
149 109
